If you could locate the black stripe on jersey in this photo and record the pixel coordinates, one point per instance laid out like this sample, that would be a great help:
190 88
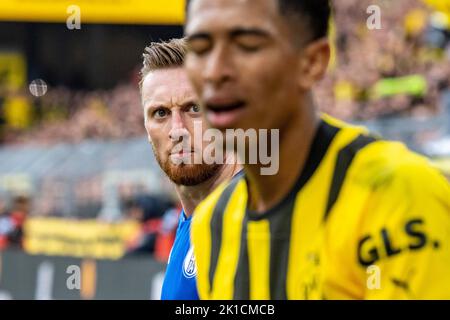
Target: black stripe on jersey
280 217
242 278
216 225
343 162
319 147
322 141
280 237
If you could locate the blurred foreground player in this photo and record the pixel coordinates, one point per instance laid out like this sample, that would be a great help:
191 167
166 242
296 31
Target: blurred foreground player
347 216
170 107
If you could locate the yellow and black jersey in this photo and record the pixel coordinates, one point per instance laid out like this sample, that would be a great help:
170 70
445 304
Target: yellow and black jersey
366 219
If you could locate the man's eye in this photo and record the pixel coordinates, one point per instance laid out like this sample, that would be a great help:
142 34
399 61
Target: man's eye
250 43
159 114
249 48
194 108
199 46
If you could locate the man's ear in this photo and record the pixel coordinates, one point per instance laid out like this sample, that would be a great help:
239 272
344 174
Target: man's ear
314 63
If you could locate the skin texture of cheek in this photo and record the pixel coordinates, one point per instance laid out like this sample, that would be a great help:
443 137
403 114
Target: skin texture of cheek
155 134
159 155
269 94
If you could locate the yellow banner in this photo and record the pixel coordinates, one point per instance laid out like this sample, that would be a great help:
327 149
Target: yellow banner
82 239
94 11
12 70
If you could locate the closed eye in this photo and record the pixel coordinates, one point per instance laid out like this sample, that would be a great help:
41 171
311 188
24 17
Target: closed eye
250 39
250 42
199 44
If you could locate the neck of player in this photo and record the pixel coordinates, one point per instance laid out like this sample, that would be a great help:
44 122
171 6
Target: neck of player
191 196
296 137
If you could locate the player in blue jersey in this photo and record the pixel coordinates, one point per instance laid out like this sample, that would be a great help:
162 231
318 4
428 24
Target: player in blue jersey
170 109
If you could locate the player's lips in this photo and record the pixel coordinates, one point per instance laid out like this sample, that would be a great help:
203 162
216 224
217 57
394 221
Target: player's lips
223 113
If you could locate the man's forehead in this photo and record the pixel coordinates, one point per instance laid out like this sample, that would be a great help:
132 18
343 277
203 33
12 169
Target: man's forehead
167 87
245 12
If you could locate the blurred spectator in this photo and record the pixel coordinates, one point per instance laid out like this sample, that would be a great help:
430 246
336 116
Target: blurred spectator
167 232
2 113
11 222
148 211
6 225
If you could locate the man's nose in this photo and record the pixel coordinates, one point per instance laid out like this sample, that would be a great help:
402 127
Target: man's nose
219 67
178 130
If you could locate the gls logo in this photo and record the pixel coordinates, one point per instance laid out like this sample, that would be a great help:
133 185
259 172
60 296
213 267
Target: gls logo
369 252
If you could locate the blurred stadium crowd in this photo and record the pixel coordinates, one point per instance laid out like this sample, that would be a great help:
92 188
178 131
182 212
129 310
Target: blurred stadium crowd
403 69
64 115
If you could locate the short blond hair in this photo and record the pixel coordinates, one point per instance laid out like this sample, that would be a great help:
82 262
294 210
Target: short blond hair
163 55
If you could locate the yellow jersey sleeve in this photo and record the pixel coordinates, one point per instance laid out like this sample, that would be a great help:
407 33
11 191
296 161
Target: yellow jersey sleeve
201 239
403 247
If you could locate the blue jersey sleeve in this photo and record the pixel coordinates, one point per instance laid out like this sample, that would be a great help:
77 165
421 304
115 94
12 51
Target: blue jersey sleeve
180 278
